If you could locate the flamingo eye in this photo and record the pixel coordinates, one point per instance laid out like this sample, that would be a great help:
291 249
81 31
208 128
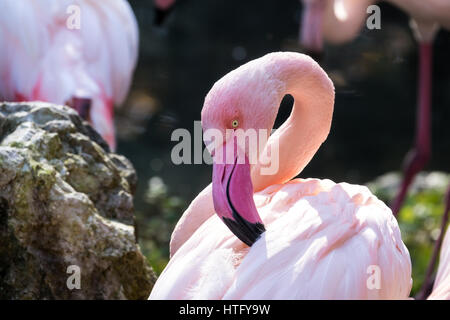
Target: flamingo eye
235 123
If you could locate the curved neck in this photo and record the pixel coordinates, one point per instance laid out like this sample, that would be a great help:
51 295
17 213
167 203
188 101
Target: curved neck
307 127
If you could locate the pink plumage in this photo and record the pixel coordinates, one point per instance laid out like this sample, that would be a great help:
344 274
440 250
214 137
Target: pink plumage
322 240
46 57
441 288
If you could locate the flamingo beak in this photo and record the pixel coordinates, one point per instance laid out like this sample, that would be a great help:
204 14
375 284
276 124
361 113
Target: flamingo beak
311 35
233 195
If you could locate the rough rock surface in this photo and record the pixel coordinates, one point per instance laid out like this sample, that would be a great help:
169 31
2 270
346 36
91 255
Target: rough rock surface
65 200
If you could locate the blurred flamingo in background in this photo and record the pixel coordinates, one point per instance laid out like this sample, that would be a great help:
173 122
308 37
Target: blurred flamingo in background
333 21
46 56
322 238
339 21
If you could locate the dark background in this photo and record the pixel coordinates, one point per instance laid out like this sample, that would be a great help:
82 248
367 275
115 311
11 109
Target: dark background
200 41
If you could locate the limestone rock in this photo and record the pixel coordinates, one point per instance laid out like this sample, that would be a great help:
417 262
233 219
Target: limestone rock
65 200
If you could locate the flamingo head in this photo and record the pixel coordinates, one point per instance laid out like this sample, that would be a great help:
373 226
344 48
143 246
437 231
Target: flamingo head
311 33
237 121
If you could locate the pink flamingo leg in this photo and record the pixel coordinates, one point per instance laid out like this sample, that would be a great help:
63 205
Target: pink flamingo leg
416 159
428 283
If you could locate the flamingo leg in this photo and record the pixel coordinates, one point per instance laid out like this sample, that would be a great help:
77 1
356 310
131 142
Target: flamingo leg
428 282
417 158
310 33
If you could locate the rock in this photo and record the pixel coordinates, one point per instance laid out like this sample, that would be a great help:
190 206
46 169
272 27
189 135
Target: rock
65 201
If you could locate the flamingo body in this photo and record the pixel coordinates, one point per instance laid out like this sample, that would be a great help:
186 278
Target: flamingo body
43 59
321 239
441 289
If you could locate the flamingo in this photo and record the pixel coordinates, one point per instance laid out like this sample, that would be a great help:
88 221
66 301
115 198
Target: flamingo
339 21
88 66
274 237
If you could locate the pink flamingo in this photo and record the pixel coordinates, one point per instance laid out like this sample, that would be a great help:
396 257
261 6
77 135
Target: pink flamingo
321 238
339 21
47 56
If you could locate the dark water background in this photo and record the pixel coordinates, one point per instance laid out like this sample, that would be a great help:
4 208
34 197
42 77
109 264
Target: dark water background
375 78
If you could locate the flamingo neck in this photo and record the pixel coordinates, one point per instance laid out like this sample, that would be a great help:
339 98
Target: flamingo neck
307 127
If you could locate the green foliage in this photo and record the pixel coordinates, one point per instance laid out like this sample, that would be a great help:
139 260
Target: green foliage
154 232
420 217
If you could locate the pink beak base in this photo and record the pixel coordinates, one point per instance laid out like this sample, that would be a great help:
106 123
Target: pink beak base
233 200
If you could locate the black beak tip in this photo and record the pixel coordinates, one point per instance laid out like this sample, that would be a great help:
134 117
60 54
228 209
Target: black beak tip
247 232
